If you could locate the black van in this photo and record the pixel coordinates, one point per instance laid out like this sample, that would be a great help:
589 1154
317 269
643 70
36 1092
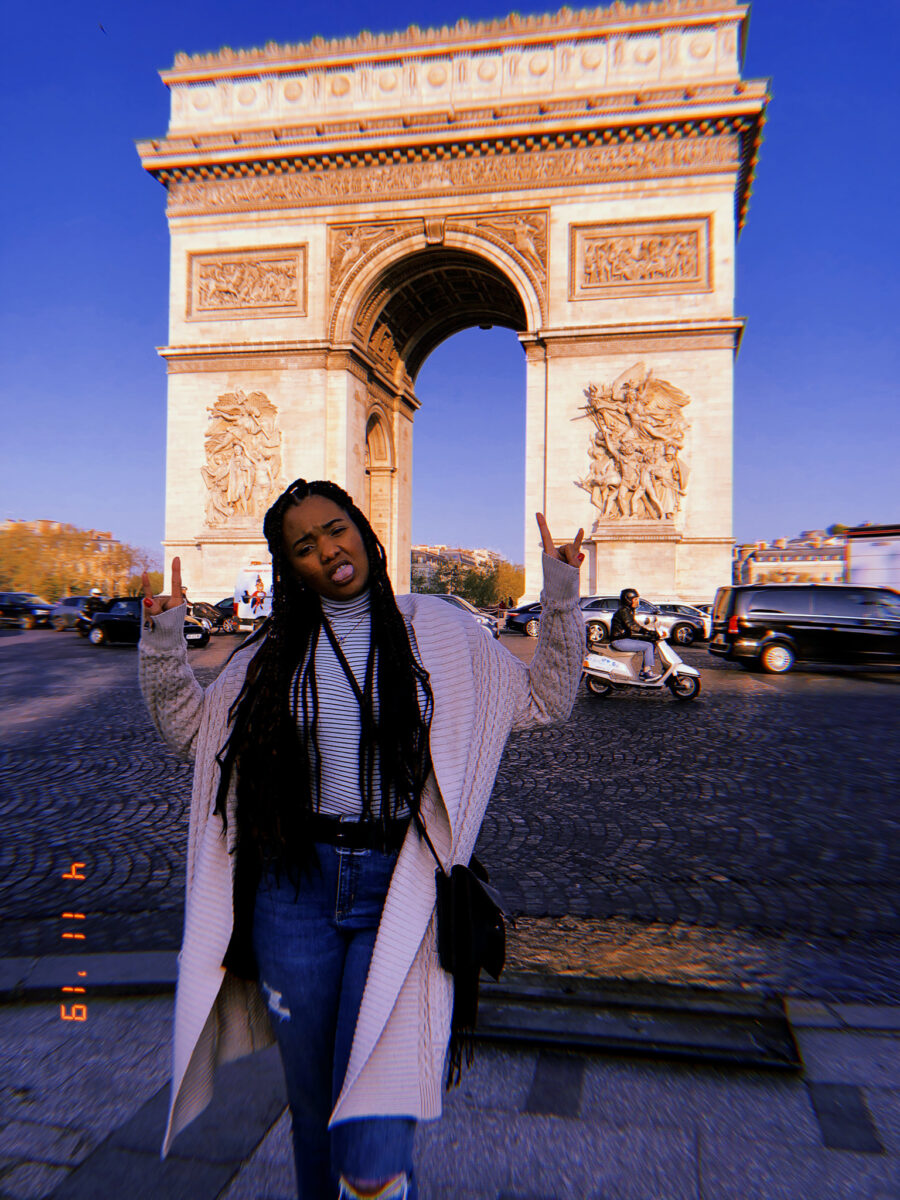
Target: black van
774 625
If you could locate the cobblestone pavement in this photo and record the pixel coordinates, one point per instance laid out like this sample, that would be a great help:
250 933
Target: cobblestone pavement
750 835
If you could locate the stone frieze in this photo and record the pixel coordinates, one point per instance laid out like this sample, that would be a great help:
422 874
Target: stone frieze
452 176
639 258
265 282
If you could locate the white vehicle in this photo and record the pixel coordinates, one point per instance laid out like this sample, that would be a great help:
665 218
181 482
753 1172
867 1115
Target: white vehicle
253 595
618 670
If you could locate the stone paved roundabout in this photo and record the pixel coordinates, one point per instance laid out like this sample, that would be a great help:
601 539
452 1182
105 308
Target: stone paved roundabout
749 836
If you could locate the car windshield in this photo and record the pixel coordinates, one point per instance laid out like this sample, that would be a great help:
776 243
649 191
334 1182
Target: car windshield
28 598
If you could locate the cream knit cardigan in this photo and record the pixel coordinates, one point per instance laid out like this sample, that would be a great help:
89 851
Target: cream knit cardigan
481 692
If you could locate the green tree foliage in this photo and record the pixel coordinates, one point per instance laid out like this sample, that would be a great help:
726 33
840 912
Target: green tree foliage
53 560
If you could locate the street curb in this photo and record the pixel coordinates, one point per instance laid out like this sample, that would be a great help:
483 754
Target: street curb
131 974
155 972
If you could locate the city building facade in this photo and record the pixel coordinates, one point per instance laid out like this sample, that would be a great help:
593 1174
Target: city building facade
814 557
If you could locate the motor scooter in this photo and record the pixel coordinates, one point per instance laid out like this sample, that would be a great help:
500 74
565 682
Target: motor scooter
616 670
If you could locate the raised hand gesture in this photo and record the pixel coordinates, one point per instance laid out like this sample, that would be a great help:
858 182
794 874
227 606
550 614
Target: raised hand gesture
157 604
570 553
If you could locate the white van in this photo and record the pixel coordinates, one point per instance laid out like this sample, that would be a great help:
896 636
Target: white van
253 595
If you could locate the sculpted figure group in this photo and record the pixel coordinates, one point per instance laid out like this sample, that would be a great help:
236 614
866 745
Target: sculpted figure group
636 469
243 457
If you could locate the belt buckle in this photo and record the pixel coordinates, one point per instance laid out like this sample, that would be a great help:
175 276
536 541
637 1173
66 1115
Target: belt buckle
340 836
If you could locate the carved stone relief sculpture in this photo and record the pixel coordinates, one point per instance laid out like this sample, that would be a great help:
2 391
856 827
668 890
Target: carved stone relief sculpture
639 258
348 244
636 470
243 458
264 283
410 180
524 232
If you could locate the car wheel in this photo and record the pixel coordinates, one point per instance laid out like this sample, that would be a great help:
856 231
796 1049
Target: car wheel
29 621
684 687
682 634
60 624
777 658
596 634
532 627
96 636
598 687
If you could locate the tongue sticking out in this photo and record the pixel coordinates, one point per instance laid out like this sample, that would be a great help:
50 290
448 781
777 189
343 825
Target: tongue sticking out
343 573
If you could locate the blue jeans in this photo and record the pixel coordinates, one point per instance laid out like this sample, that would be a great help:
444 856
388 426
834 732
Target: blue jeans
636 646
313 951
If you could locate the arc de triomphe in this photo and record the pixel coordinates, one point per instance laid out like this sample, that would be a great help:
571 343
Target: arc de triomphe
338 209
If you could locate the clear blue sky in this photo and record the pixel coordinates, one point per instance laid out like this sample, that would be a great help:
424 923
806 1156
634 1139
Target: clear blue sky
84 266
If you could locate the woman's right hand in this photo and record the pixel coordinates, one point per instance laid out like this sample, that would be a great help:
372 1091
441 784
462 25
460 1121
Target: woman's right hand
157 604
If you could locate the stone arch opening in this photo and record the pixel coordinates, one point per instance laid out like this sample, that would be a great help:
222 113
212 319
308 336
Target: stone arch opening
398 306
397 313
425 298
379 472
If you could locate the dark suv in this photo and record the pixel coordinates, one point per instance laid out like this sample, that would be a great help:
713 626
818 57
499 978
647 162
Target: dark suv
24 609
774 625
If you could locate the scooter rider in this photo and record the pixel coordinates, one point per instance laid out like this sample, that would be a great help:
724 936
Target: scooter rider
628 635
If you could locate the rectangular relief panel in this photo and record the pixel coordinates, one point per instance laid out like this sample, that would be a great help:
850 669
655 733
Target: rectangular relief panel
639 258
266 281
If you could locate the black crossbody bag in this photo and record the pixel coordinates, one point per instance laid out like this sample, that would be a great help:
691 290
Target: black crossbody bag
471 938
471 926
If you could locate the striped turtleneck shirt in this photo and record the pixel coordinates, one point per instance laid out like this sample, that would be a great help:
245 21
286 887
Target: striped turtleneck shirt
338 723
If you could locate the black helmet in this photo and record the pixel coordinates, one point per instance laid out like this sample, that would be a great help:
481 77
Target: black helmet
627 595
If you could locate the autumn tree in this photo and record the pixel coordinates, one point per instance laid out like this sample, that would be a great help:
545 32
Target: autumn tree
481 586
53 559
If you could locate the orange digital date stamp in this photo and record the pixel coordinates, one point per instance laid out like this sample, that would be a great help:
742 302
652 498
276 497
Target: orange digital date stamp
77 1012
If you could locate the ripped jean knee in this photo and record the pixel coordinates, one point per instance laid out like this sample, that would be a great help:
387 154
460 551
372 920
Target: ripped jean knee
396 1188
277 1006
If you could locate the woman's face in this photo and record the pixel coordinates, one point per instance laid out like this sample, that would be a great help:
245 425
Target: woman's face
325 549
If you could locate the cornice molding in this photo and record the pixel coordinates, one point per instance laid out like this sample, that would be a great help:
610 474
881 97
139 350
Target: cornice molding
624 112
513 29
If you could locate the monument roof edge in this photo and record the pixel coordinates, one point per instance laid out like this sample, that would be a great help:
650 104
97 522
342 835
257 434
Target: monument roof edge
278 57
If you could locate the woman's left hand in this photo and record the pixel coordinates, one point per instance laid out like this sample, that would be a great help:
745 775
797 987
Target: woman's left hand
570 553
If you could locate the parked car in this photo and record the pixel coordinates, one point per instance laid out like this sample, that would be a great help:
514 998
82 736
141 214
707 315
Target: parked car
489 623
65 613
772 626
598 614
24 610
526 619
120 621
227 608
213 617
690 614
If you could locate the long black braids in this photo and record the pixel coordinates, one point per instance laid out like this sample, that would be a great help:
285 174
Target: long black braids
269 750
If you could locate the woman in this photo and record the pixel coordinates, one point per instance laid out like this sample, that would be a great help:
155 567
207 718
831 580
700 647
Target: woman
310 894
629 636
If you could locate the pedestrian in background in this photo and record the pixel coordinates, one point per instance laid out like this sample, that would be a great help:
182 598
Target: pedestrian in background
310 893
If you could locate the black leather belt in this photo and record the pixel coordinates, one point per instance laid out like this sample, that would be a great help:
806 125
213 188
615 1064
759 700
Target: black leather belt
359 835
